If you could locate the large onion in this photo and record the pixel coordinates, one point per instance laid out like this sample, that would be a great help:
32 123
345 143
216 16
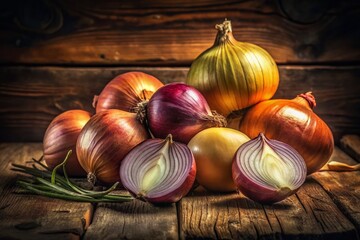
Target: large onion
233 75
180 110
159 171
127 91
61 136
214 149
295 123
268 171
104 142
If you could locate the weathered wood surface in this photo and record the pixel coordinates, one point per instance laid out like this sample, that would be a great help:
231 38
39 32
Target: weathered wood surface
130 32
133 220
30 97
343 187
24 216
307 215
351 145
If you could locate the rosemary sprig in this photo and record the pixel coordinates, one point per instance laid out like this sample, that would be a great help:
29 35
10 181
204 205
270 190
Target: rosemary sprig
51 184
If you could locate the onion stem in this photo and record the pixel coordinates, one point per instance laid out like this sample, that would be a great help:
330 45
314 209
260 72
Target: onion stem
49 183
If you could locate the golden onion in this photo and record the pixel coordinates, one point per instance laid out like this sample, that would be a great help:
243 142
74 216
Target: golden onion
233 75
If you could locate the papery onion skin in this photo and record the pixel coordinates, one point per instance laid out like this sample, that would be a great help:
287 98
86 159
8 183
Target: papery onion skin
146 151
233 75
61 136
104 142
126 91
180 110
295 123
213 149
265 194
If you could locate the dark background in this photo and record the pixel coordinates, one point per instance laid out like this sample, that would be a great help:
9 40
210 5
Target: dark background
55 55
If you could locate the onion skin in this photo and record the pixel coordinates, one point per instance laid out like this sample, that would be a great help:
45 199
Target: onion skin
295 123
151 150
126 91
233 75
104 142
266 194
180 110
213 149
61 136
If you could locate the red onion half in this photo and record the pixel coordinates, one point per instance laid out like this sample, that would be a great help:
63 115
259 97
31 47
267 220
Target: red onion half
182 111
268 171
159 171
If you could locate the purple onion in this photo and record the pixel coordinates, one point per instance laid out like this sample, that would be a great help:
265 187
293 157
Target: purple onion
182 111
158 170
268 171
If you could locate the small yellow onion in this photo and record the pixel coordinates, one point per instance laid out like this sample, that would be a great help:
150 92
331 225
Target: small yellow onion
233 75
213 150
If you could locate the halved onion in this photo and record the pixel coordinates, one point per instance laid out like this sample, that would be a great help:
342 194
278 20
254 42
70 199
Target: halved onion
268 171
158 170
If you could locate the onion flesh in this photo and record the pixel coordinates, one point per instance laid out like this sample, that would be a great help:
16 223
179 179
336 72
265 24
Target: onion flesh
268 171
158 170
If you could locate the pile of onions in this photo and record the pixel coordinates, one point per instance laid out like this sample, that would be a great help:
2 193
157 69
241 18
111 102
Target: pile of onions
61 136
233 75
104 142
127 91
180 110
214 149
268 171
295 123
159 171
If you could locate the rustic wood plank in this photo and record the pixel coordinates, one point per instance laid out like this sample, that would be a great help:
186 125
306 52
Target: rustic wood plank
30 97
351 145
24 216
310 214
133 220
130 32
343 187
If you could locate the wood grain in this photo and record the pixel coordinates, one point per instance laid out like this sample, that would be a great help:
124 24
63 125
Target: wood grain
133 220
351 145
30 97
162 33
343 187
24 216
309 214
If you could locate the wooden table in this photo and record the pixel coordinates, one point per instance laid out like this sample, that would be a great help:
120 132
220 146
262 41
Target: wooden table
327 206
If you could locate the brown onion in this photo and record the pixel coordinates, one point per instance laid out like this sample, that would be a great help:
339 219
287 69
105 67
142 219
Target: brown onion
127 91
104 142
268 171
61 136
159 171
295 123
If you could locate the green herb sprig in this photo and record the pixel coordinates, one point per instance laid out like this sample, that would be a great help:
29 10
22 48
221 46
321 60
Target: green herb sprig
51 184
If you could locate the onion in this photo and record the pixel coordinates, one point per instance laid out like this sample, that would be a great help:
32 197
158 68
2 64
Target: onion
233 75
104 142
159 171
295 123
180 110
214 149
61 136
268 171
127 91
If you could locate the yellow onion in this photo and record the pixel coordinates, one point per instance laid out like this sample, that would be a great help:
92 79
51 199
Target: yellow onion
214 149
233 75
